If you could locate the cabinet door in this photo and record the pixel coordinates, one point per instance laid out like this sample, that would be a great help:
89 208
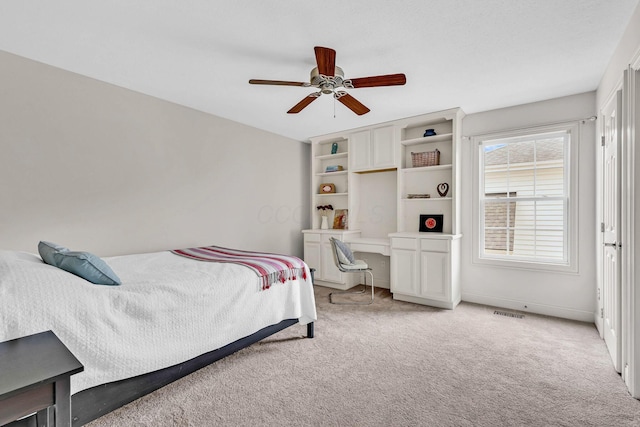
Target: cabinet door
360 151
312 258
383 148
404 272
434 268
330 272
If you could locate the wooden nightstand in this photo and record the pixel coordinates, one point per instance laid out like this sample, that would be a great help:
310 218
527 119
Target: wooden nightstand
35 377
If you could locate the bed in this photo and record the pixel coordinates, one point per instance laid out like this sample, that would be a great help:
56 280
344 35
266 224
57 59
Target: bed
170 316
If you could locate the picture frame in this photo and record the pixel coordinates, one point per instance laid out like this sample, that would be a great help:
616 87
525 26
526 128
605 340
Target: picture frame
341 219
431 223
327 188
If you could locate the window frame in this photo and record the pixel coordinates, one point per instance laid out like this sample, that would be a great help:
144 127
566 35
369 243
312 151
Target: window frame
570 264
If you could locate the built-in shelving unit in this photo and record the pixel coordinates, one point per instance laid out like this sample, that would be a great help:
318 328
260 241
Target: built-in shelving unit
425 179
322 158
385 197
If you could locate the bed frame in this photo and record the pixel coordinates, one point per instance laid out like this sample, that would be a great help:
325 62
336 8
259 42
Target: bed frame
87 405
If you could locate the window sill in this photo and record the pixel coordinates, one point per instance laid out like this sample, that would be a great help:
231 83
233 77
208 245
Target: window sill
527 265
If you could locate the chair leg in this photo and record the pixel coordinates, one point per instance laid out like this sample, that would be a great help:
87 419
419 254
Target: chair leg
355 292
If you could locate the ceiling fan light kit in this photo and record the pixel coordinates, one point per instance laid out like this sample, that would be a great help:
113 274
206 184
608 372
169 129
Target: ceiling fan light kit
329 78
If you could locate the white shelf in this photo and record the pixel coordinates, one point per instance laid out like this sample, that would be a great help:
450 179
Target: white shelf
427 139
332 156
344 172
428 199
427 168
332 140
330 194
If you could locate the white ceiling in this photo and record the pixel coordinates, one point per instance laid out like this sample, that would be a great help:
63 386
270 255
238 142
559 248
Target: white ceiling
478 55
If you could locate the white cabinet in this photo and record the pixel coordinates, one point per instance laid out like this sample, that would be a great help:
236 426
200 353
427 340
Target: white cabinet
405 270
424 269
318 254
372 149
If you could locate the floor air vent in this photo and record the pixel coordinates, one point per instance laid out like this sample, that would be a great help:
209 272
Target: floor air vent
504 313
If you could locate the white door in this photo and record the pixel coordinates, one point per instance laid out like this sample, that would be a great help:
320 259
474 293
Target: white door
404 272
312 258
330 272
435 276
383 148
611 190
360 151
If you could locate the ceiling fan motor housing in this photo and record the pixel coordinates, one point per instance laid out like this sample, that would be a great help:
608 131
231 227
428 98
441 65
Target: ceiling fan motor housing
327 84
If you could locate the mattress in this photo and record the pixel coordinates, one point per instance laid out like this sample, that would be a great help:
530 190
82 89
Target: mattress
168 309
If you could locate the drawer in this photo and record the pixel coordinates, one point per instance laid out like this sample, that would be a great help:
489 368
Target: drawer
370 248
312 237
326 237
434 245
400 243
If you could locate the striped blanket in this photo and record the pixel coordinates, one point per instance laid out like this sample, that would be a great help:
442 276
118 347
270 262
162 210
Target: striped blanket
270 268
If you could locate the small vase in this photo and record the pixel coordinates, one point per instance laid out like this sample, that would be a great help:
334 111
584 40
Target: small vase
325 223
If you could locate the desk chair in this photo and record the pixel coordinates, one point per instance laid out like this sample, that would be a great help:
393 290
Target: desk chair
346 263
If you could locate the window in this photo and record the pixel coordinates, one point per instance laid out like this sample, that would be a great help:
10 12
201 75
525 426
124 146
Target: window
524 198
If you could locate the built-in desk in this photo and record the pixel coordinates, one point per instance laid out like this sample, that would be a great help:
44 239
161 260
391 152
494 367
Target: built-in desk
318 254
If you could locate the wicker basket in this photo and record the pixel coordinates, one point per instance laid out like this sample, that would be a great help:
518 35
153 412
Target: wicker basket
426 158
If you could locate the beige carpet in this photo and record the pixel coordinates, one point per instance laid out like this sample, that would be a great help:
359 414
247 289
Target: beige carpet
401 364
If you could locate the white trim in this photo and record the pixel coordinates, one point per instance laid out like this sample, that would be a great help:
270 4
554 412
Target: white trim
544 309
572 176
630 286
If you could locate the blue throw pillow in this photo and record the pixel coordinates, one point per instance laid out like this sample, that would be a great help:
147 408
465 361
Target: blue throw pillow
88 266
83 264
47 249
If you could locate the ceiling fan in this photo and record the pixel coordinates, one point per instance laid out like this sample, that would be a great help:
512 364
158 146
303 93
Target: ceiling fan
329 78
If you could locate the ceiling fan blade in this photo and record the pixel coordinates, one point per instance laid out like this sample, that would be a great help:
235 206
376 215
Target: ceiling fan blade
305 101
326 60
351 103
386 80
277 83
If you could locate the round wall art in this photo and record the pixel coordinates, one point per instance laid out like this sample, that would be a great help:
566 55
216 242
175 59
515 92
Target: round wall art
431 223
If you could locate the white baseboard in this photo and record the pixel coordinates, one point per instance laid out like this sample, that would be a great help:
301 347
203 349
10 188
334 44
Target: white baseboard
344 287
426 301
547 310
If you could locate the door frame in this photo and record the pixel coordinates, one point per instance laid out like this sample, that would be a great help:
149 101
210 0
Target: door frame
631 230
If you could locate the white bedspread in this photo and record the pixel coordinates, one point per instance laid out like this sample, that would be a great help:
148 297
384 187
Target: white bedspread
168 309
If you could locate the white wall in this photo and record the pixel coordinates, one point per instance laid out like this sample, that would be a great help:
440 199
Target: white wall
564 295
100 168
